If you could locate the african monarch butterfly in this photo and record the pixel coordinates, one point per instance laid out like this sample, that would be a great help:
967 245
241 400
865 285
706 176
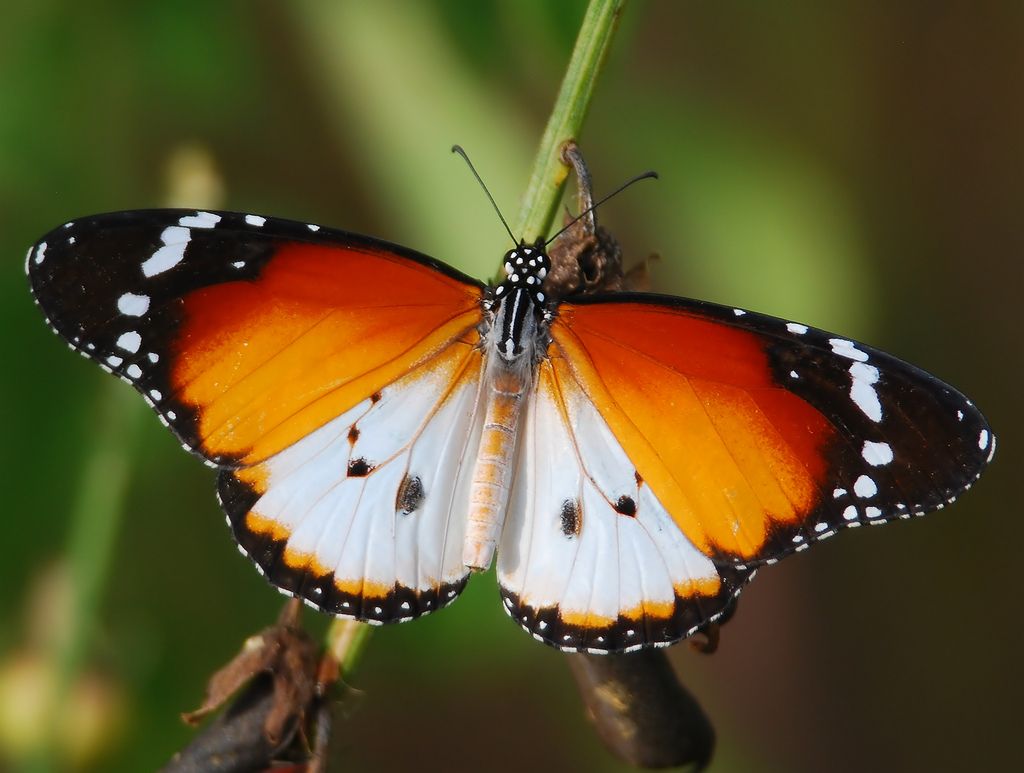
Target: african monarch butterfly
383 424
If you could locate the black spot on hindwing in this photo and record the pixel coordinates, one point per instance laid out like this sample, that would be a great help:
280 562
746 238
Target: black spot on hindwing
359 468
410 495
625 505
268 551
571 518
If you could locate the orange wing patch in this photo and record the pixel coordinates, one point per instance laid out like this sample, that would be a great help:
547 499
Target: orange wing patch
268 361
692 401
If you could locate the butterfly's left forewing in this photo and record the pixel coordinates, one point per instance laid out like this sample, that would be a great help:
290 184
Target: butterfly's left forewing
245 333
332 377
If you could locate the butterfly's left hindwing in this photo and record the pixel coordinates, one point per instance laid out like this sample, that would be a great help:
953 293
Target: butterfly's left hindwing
761 436
365 517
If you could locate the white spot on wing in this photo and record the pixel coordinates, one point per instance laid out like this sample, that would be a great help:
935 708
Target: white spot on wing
876 454
134 371
153 357
255 220
175 239
313 228
114 360
129 341
796 327
133 305
862 390
200 220
847 349
983 440
850 513
738 312
40 252
865 487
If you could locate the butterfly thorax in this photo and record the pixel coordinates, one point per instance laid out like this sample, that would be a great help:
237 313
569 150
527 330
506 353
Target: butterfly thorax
518 308
514 339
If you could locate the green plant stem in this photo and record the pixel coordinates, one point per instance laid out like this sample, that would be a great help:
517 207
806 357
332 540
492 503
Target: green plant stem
96 517
547 180
347 639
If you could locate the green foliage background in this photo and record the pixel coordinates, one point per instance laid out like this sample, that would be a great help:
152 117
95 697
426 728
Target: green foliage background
854 166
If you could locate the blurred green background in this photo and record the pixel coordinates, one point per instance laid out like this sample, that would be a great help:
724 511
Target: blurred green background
856 166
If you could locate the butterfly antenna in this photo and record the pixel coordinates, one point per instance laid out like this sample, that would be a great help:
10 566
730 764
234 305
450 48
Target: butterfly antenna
458 149
592 207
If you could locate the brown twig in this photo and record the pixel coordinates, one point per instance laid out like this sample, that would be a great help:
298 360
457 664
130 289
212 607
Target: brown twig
641 711
273 685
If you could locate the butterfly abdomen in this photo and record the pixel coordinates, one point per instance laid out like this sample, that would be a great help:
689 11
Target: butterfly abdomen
516 332
492 472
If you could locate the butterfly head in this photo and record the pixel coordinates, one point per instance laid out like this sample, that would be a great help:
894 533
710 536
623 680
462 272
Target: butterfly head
520 303
525 267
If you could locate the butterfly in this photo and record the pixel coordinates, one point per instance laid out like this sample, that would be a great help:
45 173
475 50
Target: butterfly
384 425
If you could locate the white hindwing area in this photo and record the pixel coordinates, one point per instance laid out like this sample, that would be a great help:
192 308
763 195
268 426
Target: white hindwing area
589 559
365 517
